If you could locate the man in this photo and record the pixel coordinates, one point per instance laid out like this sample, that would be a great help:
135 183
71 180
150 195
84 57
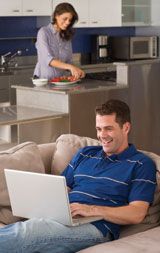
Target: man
114 181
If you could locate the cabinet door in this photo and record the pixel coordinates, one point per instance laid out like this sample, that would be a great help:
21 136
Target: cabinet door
155 12
104 13
10 7
136 12
20 77
37 7
4 89
81 7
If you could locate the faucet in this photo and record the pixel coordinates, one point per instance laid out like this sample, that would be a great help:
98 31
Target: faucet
7 58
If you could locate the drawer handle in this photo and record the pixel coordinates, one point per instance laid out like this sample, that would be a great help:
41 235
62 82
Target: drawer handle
29 10
16 11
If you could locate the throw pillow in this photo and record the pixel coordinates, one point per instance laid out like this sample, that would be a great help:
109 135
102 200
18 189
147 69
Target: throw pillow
153 216
66 146
25 156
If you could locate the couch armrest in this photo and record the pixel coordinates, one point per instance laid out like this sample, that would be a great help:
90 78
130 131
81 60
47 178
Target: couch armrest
147 242
47 151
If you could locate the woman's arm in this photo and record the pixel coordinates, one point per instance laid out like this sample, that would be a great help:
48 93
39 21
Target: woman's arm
75 71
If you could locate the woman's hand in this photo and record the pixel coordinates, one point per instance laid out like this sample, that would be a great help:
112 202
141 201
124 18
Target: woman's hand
76 72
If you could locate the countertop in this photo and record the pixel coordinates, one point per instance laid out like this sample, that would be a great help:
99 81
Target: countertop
88 68
11 115
85 85
136 62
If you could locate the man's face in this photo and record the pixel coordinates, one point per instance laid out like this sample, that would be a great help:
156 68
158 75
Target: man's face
113 137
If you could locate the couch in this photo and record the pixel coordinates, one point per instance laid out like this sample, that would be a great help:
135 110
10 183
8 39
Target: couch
53 158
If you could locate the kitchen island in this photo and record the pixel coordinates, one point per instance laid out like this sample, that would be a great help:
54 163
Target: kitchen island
78 101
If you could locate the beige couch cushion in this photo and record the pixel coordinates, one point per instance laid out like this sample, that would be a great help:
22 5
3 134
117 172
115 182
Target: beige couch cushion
47 152
66 146
24 156
147 242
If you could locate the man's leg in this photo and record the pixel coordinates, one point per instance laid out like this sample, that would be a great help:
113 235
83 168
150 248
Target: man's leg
47 236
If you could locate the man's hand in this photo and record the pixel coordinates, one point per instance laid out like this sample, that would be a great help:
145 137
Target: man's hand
133 213
82 209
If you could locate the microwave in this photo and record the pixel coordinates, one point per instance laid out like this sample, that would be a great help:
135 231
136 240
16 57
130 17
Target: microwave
133 47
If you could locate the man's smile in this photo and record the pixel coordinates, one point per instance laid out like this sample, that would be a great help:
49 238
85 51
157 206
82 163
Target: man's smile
106 141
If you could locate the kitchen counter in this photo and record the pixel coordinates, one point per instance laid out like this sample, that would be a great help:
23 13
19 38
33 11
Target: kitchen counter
78 102
15 115
86 85
25 118
136 62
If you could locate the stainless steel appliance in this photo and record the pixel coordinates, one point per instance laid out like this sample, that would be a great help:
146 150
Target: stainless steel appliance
99 48
132 48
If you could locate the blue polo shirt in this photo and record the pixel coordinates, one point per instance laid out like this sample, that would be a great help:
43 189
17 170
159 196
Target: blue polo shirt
116 180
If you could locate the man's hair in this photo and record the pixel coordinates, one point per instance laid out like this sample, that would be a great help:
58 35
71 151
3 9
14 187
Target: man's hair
117 107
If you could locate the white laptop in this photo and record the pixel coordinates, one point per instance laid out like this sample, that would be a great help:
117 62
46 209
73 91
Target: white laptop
36 195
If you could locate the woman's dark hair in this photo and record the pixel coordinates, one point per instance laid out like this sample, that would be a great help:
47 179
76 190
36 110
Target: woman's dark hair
117 107
63 8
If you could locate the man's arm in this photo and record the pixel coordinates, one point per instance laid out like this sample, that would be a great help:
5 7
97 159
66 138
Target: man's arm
133 213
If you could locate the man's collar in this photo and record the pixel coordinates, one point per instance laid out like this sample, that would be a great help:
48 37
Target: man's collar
127 153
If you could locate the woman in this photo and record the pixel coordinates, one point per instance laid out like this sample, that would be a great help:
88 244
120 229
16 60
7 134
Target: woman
54 47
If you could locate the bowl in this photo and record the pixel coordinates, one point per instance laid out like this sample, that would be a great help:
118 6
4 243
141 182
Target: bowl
39 82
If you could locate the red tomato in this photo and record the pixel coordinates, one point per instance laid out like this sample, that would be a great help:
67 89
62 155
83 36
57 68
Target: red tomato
55 79
63 78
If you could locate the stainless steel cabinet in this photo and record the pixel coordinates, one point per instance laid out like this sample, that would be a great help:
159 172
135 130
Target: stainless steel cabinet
144 93
20 77
82 109
4 89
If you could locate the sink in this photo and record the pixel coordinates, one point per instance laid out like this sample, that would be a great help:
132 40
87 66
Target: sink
21 67
10 70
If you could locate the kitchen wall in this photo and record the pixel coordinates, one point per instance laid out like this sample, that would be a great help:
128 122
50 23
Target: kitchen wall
82 38
155 30
17 33
20 33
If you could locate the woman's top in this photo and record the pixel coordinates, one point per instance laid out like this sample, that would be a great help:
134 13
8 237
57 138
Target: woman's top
51 46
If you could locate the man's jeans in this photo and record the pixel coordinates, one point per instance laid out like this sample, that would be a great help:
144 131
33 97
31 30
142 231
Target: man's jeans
48 236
